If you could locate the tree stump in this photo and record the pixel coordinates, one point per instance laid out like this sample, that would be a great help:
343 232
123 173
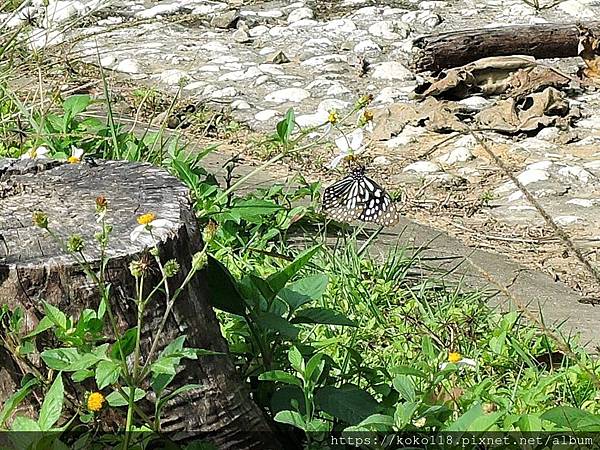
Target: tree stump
33 266
457 48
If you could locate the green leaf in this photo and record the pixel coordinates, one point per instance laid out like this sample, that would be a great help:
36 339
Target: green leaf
274 322
25 424
574 419
60 358
296 360
377 422
405 387
314 367
253 209
285 127
81 375
281 376
304 290
322 315
291 418
404 413
43 325
76 104
115 398
15 399
107 373
348 403
222 290
125 345
464 422
166 365
176 345
52 405
57 317
530 422
407 370
278 280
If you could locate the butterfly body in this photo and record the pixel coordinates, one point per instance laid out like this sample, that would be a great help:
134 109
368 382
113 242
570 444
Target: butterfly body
356 196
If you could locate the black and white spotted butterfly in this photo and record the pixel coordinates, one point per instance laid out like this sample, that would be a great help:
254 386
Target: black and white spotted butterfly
356 196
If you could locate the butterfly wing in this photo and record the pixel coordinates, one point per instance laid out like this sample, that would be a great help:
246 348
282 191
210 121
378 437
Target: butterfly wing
340 200
378 206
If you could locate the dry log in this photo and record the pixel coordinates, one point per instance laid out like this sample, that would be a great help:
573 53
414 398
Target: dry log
441 51
34 267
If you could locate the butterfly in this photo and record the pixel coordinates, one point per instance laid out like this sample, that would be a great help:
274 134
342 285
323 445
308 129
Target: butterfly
356 196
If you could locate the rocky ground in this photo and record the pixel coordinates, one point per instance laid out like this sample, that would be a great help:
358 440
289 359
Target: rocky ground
259 58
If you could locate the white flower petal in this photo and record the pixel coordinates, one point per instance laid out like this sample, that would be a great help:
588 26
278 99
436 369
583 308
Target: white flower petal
137 231
356 139
41 151
343 144
76 152
467 362
335 161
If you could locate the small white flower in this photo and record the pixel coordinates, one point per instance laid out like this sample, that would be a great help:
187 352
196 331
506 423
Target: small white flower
33 153
457 359
76 155
151 230
348 145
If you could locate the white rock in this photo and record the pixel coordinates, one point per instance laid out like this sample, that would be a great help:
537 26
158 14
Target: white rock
540 165
238 75
108 60
272 69
225 92
422 167
265 115
388 95
240 104
272 13
517 195
367 11
161 9
40 38
261 80
299 14
532 176
392 70
288 95
208 7
128 66
576 172
432 4
548 134
475 103
173 76
459 154
427 18
576 9
366 46
381 161
61 11
209 68
258 30
337 89
340 26
592 122
195 85
215 46
384 29
408 135
312 120
317 42
303 23
567 220
323 59
332 103
583 202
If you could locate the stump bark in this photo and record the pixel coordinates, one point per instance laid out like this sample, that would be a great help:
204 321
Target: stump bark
441 51
33 266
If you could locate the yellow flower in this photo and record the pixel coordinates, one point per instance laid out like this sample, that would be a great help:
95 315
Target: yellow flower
454 357
145 219
95 401
333 117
